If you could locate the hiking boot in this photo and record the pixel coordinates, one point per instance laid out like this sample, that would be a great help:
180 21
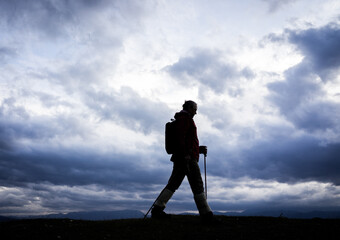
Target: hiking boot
158 213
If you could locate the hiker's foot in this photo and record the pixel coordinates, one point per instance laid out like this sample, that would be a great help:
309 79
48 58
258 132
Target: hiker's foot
158 213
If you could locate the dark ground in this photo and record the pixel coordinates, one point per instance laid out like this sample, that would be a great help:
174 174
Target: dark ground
179 227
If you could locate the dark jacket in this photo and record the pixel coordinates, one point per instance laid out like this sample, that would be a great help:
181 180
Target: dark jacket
186 134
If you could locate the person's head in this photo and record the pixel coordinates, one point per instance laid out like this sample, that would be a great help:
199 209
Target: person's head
190 106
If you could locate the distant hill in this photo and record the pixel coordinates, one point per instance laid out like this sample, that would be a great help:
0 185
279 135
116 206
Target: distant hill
4 219
92 215
96 215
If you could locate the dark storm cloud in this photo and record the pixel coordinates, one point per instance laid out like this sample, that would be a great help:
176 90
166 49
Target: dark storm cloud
45 16
299 99
7 132
208 68
85 35
299 87
54 19
321 49
322 115
294 160
52 198
75 168
129 109
17 124
282 158
301 96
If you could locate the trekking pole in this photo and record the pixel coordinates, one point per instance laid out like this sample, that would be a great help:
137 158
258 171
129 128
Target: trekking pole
153 204
205 176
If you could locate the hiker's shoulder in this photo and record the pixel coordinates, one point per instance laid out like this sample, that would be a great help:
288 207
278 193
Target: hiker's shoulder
182 115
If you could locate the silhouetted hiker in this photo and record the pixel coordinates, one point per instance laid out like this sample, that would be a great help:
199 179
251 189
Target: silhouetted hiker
185 163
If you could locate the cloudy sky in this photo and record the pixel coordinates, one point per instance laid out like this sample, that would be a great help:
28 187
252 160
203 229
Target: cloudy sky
86 87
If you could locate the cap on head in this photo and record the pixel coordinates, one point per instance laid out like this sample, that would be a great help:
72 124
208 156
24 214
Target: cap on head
189 104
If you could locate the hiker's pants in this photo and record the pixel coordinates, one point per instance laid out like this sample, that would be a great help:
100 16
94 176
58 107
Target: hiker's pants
189 168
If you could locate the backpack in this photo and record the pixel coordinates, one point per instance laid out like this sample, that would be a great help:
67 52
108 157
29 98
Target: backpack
170 136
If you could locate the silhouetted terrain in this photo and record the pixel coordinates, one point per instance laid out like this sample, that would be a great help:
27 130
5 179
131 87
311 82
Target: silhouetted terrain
178 227
4 219
96 215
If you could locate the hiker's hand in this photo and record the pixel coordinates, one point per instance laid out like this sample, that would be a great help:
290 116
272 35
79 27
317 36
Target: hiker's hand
203 150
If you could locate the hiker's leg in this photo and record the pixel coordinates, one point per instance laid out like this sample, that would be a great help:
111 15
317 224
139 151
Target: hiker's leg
177 176
196 184
163 198
194 177
174 182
